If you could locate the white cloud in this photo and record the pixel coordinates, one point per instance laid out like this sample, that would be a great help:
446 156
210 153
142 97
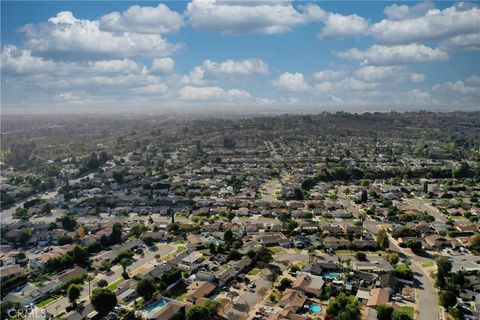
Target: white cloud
158 88
21 62
231 67
163 65
153 20
339 26
417 77
211 93
250 17
435 24
403 12
322 87
395 55
195 77
66 96
69 37
330 75
356 85
117 66
467 42
291 82
375 73
468 87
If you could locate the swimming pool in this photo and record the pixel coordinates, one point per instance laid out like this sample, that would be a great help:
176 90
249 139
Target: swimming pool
160 303
315 308
332 275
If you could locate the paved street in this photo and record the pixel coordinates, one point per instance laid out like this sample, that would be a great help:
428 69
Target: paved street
427 300
424 206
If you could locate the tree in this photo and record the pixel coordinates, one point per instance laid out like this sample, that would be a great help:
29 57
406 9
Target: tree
80 255
118 177
68 223
297 194
447 298
364 196
444 266
116 235
384 312
284 284
361 256
145 289
393 258
198 312
400 315
73 293
415 245
228 236
124 263
461 170
102 283
103 300
382 239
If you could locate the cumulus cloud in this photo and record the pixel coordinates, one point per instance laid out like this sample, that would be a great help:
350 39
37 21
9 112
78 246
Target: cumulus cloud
16 61
403 12
154 20
291 82
339 26
395 55
471 86
467 42
163 65
231 67
68 37
253 17
434 24
330 75
210 93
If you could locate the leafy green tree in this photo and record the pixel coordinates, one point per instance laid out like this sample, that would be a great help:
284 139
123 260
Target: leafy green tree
198 312
393 258
284 284
382 239
103 300
228 236
400 315
415 245
73 293
145 289
384 312
444 266
361 256
102 283
461 170
68 222
447 298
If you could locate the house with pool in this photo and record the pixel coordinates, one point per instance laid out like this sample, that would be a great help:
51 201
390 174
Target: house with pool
163 309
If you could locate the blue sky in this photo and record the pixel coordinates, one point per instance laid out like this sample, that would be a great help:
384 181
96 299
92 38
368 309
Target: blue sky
341 55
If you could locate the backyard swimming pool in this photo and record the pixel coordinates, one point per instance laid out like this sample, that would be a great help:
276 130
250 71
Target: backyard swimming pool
160 303
315 308
332 275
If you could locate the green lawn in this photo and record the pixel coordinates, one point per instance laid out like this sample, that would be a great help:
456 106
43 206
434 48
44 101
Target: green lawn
408 310
275 250
114 285
46 301
253 272
427 264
